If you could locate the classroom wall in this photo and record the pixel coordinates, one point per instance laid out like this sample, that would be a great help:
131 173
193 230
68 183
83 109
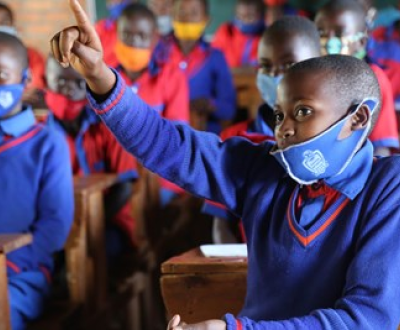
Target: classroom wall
38 20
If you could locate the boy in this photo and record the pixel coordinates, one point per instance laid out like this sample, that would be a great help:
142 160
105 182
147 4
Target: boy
107 28
211 90
328 259
93 150
238 40
37 196
343 31
163 86
287 41
34 92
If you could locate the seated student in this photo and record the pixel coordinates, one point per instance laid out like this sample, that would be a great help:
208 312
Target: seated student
211 89
93 150
320 212
343 30
238 40
162 86
287 41
37 191
163 11
107 28
34 92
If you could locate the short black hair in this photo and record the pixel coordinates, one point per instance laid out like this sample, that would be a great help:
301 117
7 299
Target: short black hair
350 78
204 4
297 26
6 8
17 46
353 6
257 3
139 9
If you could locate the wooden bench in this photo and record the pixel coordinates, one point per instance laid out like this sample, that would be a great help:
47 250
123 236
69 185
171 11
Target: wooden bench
200 288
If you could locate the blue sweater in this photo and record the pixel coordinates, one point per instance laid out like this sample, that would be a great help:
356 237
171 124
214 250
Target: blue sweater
37 189
341 273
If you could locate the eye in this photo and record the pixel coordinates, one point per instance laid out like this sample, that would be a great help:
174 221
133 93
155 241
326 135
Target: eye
265 68
278 118
302 113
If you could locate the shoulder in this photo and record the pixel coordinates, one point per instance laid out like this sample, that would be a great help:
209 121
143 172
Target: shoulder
380 75
384 179
225 29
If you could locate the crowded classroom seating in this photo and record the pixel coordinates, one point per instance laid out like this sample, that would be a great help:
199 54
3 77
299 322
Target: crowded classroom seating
138 136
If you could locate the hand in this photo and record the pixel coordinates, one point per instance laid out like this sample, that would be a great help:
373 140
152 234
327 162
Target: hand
176 324
80 47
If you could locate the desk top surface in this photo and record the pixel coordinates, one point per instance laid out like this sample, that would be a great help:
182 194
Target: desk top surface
194 261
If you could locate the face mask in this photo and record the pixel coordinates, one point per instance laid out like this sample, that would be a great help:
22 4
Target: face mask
115 10
9 30
189 31
249 28
62 107
323 156
164 24
132 58
267 86
336 45
10 95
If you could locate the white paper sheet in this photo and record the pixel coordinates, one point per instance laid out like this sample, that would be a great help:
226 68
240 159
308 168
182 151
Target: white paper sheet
224 250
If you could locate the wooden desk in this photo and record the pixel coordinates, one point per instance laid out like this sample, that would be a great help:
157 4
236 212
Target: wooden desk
8 243
247 94
200 288
88 232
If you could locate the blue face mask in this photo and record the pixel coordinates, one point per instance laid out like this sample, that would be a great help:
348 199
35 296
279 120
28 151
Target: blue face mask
115 10
10 95
267 86
249 28
323 156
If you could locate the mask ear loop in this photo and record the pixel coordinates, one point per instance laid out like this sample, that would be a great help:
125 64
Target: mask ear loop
25 76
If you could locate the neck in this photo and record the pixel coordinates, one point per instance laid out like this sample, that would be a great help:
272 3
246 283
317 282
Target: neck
133 75
186 46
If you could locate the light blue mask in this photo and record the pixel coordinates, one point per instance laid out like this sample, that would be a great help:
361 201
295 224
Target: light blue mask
164 24
324 156
267 86
10 95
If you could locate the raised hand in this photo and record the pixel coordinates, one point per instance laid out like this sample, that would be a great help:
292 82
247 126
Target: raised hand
80 47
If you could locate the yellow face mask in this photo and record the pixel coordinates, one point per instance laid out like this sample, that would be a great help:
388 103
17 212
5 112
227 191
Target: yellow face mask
131 58
189 31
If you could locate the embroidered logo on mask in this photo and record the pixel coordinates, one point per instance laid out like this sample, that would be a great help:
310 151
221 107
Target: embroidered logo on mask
315 162
6 99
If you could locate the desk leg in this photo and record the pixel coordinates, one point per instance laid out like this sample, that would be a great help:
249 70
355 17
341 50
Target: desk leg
5 322
96 247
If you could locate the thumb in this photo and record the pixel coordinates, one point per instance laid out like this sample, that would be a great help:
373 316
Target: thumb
88 56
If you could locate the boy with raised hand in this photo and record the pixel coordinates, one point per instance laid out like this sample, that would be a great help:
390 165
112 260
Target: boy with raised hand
321 214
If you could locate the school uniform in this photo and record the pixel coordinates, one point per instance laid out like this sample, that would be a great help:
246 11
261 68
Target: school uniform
107 32
208 75
165 89
95 150
385 133
36 68
255 130
384 51
340 272
240 49
37 198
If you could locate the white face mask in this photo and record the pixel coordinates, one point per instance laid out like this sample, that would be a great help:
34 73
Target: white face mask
164 24
267 86
9 30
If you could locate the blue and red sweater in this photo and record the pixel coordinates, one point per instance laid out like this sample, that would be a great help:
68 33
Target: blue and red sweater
37 190
339 273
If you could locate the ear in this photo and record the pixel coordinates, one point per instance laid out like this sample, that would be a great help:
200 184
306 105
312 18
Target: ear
360 119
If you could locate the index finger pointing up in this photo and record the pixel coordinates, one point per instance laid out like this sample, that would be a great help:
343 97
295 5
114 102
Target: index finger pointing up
82 20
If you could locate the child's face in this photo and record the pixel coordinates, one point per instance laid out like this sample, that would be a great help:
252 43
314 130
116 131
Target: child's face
248 13
276 55
343 25
189 11
10 67
138 32
306 106
160 7
5 19
65 81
